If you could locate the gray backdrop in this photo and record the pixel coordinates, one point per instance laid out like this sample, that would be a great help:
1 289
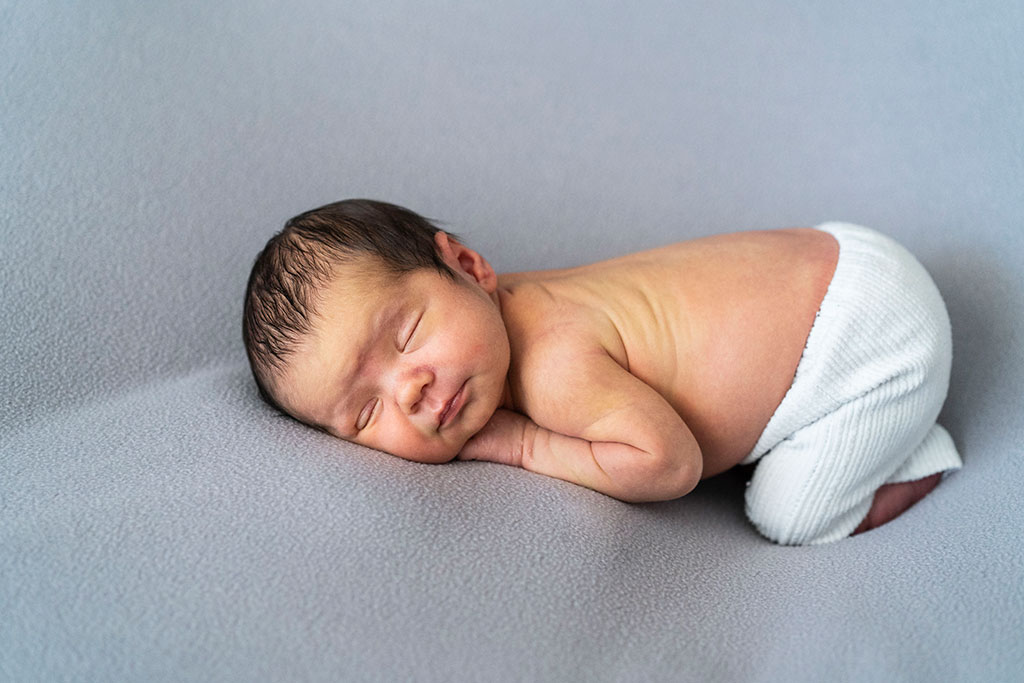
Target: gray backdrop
158 523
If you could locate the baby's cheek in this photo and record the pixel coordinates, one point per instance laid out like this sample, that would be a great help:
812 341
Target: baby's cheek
479 349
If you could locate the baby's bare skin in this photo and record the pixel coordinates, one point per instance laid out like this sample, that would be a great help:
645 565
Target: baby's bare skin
636 376
715 325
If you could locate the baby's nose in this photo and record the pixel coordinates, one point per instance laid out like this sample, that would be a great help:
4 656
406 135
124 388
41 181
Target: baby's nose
411 387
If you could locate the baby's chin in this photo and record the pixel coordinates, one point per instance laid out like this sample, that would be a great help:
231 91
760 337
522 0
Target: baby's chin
436 450
446 450
438 455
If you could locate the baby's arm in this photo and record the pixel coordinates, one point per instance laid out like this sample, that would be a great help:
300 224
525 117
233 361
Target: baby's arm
598 427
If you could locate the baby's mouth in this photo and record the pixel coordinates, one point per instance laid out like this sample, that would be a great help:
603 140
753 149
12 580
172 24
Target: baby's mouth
451 408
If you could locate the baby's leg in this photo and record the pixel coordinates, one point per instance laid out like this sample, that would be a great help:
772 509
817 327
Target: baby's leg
820 483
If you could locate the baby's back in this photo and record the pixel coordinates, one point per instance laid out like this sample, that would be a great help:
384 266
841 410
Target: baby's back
716 325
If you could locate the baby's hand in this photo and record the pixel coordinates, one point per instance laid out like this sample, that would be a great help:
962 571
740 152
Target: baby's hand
501 440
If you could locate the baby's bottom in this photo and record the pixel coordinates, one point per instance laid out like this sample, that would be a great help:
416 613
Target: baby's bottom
861 412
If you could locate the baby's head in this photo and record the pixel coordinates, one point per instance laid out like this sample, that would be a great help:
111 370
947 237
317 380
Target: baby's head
364 320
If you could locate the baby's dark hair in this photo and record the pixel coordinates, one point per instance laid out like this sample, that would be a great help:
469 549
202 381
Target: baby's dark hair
297 262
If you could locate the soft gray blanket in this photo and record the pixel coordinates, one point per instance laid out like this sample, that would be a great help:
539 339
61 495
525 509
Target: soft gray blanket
158 523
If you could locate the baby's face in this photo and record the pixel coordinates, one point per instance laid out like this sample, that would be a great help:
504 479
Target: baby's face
414 366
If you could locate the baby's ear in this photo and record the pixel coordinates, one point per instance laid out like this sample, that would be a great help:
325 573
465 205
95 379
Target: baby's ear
465 261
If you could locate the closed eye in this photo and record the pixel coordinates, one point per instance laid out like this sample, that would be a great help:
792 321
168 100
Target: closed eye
412 332
367 414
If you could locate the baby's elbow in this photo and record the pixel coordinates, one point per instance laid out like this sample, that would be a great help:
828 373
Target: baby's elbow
676 470
684 472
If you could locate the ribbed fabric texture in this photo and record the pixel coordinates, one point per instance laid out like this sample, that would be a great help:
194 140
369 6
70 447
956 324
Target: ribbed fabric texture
862 407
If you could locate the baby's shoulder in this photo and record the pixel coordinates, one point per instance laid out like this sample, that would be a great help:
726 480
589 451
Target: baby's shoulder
546 320
553 340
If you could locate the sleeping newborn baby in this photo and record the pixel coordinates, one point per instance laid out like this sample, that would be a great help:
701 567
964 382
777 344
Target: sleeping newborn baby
819 355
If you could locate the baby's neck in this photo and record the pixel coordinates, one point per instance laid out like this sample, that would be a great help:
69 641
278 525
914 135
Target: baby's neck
507 399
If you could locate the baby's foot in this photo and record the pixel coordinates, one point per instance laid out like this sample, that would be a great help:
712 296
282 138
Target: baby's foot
892 500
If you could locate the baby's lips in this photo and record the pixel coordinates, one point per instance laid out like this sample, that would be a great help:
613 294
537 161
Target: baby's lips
453 406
